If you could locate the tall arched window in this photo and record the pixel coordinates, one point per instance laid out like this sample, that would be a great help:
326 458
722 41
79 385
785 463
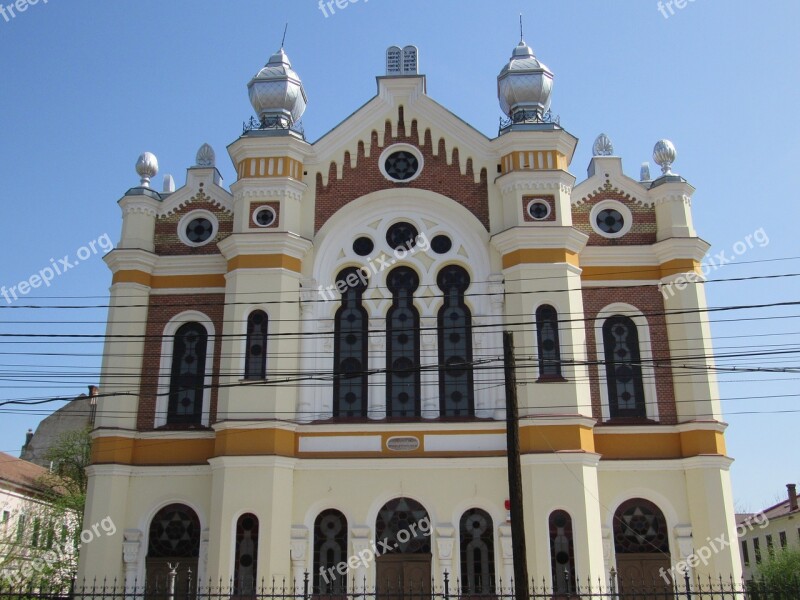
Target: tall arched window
174 538
455 345
547 342
562 552
350 351
255 366
402 355
477 552
187 377
330 550
246 566
623 368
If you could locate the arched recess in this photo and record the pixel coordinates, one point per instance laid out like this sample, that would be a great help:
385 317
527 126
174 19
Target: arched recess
645 356
562 552
173 538
403 535
165 379
641 543
330 551
246 565
476 545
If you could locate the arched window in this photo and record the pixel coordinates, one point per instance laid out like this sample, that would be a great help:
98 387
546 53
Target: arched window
174 538
330 550
246 555
187 377
562 553
623 368
455 345
477 552
402 356
255 366
547 342
350 353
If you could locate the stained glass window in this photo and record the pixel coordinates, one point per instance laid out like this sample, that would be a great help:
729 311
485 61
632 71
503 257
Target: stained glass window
256 351
402 357
330 550
246 555
187 375
547 342
623 368
562 552
455 345
351 350
477 552
640 527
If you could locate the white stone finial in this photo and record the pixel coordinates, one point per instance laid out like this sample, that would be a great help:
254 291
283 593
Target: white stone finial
206 157
644 174
665 154
147 168
603 146
169 184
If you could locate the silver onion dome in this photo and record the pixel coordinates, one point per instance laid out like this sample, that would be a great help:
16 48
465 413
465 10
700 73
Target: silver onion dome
146 168
276 92
665 154
525 84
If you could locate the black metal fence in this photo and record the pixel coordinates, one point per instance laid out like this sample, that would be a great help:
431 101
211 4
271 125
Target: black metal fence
175 588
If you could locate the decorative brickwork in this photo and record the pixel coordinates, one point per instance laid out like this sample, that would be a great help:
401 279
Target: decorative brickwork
651 303
254 206
167 241
644 228
436 176
161 310
551 200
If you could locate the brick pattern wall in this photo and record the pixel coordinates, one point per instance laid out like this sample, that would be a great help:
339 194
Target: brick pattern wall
650 302
436 176
254 206
159 313
551 200
643 231
167 241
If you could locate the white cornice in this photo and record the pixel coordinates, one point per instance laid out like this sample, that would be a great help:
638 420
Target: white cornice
616 181
681 248
269 188
256 146
190 193
526 141
586 459
126 259
518 238
560 181
677 464
140 204
261 243
675 191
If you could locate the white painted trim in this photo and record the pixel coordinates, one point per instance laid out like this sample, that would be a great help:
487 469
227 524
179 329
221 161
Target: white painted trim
333 443
191 216
623 210
401 148
463 443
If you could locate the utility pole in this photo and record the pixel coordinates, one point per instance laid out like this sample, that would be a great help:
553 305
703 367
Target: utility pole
521 591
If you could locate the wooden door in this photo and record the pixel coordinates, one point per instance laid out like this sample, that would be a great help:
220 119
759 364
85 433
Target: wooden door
641 573
404 576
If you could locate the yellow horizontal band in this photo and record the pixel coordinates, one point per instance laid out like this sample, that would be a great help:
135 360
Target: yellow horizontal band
169 281
539 256
265 261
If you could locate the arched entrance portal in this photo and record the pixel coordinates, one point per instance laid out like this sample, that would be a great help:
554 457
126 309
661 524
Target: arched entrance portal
403 537
174 540
641 540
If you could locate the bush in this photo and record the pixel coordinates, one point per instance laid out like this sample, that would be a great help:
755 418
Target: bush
781 569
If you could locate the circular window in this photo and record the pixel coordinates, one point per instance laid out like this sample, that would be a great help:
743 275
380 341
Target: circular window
363 246
401 163
538 210
441 244
264 216
611 219
197 228
402 235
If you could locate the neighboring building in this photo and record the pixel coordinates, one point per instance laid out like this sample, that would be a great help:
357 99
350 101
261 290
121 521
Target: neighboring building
774 529
21 509
77 415
292 411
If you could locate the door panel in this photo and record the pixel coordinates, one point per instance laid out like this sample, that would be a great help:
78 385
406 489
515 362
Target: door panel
403 576
641 573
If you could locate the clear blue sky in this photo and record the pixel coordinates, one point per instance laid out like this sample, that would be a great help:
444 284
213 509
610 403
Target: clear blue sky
85 86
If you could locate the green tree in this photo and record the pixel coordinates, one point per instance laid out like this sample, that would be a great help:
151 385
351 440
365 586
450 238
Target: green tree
782 569
40 549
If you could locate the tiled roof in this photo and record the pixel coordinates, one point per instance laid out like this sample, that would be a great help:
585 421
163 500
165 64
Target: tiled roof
20 472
